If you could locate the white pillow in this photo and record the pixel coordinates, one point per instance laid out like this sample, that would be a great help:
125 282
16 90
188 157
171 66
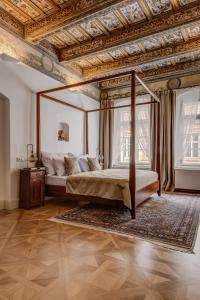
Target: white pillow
59 166
47 160
83 163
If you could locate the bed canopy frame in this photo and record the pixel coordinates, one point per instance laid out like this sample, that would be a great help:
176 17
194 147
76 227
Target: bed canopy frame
132 165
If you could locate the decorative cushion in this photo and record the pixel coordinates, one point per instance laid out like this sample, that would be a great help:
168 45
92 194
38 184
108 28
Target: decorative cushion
93 164
72 165
47 160
83 163
59 166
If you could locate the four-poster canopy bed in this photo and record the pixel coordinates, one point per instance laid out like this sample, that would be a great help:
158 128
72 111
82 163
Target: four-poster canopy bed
137 196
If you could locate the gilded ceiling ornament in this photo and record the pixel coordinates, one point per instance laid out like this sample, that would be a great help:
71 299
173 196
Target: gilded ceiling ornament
47 63
82 4
133 33
150 56
190 67
11 22
173 83
71 12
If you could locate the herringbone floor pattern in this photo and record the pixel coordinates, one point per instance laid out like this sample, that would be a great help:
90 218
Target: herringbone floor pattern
43 260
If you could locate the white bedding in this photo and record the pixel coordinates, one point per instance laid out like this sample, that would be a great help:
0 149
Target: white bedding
56 180
109 184
143 177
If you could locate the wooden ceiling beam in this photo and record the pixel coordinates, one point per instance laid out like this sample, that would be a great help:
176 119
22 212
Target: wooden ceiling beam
73 12
9 22
185 16
175 5
142 58
186 68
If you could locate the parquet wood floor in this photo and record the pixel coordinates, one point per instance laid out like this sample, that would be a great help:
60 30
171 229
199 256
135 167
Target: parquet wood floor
43 260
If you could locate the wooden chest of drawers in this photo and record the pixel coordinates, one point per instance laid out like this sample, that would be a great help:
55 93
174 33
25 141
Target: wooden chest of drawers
32 187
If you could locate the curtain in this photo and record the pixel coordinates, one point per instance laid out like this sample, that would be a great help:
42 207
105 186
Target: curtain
106 133
167 132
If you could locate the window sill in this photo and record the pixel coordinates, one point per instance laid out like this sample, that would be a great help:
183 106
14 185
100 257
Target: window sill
188 168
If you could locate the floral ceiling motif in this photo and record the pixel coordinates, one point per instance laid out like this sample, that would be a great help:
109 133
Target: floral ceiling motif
110 21
173 37
132 30
91 28
159 6
133 12
151 43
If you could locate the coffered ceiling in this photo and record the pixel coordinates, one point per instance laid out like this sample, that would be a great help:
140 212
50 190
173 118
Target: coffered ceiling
96 37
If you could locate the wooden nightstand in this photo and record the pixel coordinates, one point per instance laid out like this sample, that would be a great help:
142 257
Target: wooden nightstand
32 187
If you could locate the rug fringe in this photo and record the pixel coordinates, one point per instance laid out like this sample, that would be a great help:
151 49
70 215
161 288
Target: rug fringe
132 237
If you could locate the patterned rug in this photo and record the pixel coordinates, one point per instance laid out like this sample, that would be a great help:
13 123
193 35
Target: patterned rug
170 221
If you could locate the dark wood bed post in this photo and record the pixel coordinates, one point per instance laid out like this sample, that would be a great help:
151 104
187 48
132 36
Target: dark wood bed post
86 134
132 167
158 169
38 126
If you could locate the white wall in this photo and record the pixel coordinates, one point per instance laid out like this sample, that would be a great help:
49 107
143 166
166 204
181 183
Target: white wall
52 114
23 125
20 98
4 150
187 179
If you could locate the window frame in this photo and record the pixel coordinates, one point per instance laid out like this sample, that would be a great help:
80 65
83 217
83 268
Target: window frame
139 164
183 163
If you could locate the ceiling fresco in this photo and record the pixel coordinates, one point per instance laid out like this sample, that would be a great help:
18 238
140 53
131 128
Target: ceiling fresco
101 37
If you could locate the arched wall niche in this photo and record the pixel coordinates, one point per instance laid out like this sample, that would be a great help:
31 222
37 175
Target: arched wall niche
5 180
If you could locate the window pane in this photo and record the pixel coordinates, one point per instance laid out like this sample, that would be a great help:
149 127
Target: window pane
122 135
188 127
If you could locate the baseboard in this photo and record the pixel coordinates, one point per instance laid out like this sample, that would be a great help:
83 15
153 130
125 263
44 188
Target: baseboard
2 204
189 191
11 204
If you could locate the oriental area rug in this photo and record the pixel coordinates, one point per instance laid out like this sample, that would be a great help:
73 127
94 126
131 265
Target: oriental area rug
170 220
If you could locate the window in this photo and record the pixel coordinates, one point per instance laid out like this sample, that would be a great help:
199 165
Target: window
121 147
188 128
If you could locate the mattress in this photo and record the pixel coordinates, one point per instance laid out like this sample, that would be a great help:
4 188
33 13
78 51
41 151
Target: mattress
109 184
55 180
143 177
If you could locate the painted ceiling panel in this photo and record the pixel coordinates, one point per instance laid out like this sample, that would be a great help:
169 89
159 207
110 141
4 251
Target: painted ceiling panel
116 54
184 2
28 7
23 18
60 2
110 21
56 41
77 34
120 15
194 31
45 5
173 37
62 36
94 61
159 6
151 44
183 58
91 28
148 67
132 49
104 57
164 63
83 63
132 12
